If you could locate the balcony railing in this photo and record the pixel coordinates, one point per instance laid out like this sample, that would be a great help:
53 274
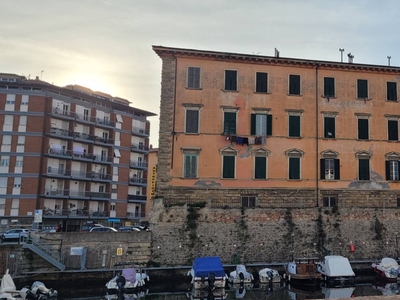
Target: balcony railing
73 193
133 215
51 212
140 130
137 197
139 181
62 112
72 134
104 122
103 140
140 147
138 164
75 154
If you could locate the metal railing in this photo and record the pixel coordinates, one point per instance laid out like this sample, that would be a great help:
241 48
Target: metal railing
74 154
138 164
140 130
74 193
48 212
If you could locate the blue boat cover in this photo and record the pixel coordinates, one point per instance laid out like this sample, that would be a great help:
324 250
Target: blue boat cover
202 266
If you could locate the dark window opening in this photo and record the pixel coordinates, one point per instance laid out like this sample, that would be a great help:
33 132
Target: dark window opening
391 91
192 121
363 129
229 123
329 201
228 167
294 126
393 130
363 169
294 84
260 167
193 78
329 127
230 80
261 82
294 167
248 201
362 89
329 87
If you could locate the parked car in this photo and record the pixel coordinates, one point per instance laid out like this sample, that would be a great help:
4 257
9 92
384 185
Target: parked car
128 228
15 234
141 227
86 227
103 229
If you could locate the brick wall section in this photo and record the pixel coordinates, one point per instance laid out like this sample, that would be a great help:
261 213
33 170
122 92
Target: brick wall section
265 235
166 121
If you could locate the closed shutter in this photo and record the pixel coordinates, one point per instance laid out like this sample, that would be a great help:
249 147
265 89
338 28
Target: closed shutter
294 168
362 89
337 168
228 167
229 123
269 125
387 169
363 169
363 129
322 168
393 130
260 167
261 83
294 126
192 121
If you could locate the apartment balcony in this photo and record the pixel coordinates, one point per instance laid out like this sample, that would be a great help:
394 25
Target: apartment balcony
104 123
75 213
138 131
56 193
102 141
92 176
139 148
63 133
82 118
62 114
138 181
135 215
87 157
74 194
137 198
141 165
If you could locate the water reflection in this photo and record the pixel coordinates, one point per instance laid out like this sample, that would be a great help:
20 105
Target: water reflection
273 291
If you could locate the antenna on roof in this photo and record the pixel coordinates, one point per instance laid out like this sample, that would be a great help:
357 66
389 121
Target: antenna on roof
341 54
276 53
389 57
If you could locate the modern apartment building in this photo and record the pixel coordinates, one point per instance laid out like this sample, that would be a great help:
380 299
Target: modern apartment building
70 155
241 130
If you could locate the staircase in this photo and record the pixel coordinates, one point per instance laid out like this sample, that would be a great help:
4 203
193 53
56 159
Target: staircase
47 252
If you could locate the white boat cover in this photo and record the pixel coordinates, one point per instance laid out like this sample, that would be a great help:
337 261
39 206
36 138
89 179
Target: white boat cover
240 268
7 283
389 263
336 265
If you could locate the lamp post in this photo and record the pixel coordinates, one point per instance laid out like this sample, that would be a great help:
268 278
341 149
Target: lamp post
397 246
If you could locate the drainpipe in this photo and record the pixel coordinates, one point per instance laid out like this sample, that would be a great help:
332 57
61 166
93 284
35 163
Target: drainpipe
173 133
316 135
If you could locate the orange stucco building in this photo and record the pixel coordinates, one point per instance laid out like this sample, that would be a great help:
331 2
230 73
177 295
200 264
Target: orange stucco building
242 130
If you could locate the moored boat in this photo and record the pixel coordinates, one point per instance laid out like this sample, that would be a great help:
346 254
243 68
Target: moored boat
267 275
303 271
208 272
387 269
131 278
336 270
240 275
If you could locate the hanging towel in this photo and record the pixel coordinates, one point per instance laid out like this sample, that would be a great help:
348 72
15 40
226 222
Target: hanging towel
239 140
246 141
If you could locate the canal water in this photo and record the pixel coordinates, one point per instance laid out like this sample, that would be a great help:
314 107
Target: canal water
181 291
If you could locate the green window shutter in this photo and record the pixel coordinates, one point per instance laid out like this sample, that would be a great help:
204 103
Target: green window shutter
228 167
260 168
261 82
269 125
387 169
294 126
229 123
337 168
363 169
253 124
362 88
322 168
294 168
192 121
363 129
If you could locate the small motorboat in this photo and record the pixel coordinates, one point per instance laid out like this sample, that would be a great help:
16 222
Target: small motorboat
267 275
131 278
387 269
208 273
240 275
336 270
303 271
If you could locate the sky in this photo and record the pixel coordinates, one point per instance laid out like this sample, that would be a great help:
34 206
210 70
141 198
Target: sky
105 45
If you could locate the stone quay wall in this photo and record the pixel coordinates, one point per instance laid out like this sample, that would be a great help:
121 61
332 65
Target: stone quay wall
182 232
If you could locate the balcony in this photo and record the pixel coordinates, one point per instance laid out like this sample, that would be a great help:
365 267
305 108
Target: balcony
141 198
140 148
63 133
104 122
61 113
138 181
63 193
140 131
88 157
103 140
75 213
56 193
135 215
142 165
84 118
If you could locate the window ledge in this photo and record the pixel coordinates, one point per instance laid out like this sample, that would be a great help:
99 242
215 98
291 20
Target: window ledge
330 180
294 179
295 137
295 95
192 133
328 138
393 141
364 99
363 140
263 93
228 178
330 97
190 178
230 91
393 101
196 89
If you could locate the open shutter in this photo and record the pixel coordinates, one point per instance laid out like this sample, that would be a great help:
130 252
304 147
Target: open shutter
253 124
269 125
322 167
337 168
387 169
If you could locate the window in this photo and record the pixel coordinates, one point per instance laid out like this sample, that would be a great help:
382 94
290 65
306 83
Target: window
363 165
8 119
248 201
391 91
362 89
6 139
329 201
119 118
228 162
4 161
117 153
192 121
24 103
19 161
294 84
329 127
330 168
86 114
392 170
190 165
230 80
193 77
393 130
329 87
260 163
10 99
294 124
261 124
294 170
17 182
229 122
363 128
261 82
21 140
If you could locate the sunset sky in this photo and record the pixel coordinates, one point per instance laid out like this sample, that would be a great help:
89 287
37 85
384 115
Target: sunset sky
105 45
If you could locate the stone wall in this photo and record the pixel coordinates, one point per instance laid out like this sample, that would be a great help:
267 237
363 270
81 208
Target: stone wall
182 232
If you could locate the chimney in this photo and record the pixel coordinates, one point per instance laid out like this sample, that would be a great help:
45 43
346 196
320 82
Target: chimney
276 53
350 56
37 77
